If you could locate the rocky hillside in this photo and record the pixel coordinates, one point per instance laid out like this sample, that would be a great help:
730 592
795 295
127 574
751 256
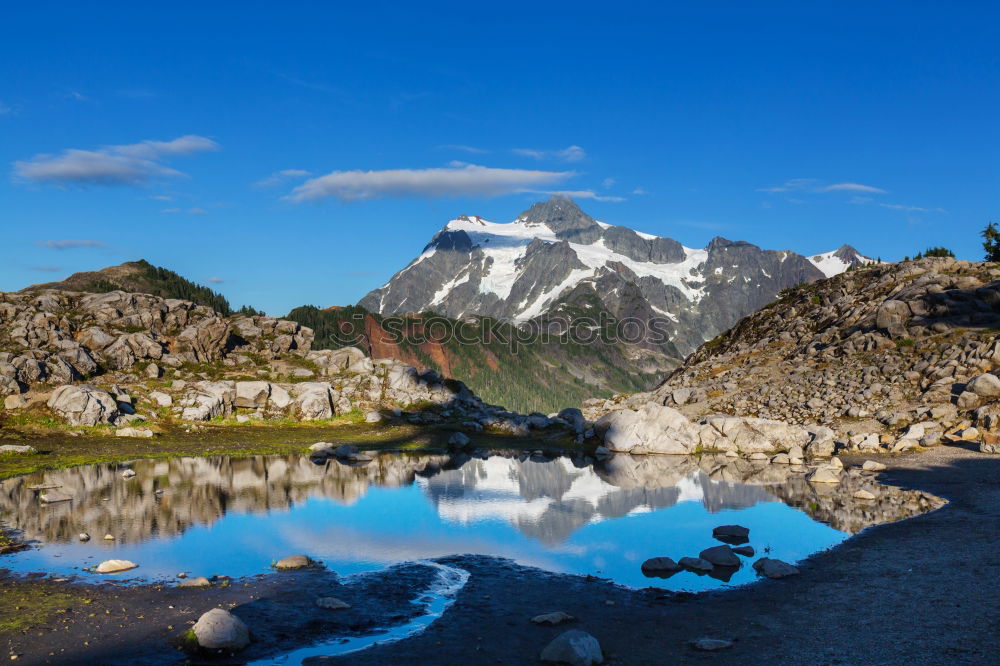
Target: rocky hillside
888 358
143 278
124 358
555 262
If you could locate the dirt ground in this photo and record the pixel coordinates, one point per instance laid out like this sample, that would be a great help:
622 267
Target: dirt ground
920 591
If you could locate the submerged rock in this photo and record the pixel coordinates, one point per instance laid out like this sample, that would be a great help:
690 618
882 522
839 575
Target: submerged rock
219 629
332 603
711 644
200 581
574 647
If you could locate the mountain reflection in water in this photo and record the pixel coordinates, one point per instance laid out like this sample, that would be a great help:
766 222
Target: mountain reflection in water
236 515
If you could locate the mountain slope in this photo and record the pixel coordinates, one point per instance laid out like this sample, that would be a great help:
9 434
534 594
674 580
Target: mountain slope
143 278
556 262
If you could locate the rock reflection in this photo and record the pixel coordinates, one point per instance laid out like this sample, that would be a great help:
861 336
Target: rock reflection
547 501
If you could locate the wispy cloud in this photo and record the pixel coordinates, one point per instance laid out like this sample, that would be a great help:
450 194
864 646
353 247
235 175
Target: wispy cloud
70 244
131 164
814 185
465 149
215 280
279 177
457 180
639 191
568 154
190 211
851 187
161 197
578 194
608 183
912 209
47 269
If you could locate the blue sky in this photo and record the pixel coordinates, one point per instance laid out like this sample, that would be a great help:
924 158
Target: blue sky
163 132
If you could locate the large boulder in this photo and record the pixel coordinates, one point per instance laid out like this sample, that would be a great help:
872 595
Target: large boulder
84 405
984 386
252 395
652 429
313 401
207 400
750 435
203 342
219 629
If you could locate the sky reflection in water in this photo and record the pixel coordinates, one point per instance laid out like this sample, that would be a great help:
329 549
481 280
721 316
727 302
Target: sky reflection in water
236 516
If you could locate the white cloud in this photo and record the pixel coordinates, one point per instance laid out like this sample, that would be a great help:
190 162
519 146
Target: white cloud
813 185
608 183
457 180
278 177
578 194
215 280
851 187
70 244
639 191
131 164
912 209
568 154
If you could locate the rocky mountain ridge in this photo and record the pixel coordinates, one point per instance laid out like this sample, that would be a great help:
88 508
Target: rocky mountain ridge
556 262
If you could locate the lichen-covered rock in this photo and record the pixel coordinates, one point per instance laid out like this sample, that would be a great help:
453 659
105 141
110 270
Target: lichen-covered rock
219 629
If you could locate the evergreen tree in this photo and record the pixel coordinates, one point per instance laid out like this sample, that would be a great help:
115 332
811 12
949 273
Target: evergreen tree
991 242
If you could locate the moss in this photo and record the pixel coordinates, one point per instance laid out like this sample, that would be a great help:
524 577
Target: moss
27 605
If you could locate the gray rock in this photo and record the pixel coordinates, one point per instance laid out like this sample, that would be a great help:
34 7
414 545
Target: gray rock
458 441
200 581
219 629
332 603
574 647
824 474
557 617
652 429
134 432
54 496
84 405
696 564
293 562
373 417
345 451
873 466
659 565
772 568
985 386
252 395
730 533
721 556
83 536
745 551
161 399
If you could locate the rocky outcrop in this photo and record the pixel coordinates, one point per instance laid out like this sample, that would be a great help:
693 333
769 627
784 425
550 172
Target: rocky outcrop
888 357
84 405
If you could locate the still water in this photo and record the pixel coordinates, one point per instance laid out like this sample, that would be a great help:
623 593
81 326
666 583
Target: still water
235 516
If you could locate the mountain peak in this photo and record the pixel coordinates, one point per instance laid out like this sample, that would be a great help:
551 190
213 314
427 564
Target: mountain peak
566 220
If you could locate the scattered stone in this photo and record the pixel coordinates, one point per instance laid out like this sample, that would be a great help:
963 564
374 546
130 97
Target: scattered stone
115 566
345 451
200 581
721 556
696 564
219 629
759 456
574 647
128 474
161 399
772 568
109 537
293 562
711 644
331 603
863 494
660 565
555 618
373 417
734 534
873 466
84 536
745 551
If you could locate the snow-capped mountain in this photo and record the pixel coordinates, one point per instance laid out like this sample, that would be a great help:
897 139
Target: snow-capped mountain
554 259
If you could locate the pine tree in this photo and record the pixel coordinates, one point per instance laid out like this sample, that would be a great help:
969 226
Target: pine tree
991 242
